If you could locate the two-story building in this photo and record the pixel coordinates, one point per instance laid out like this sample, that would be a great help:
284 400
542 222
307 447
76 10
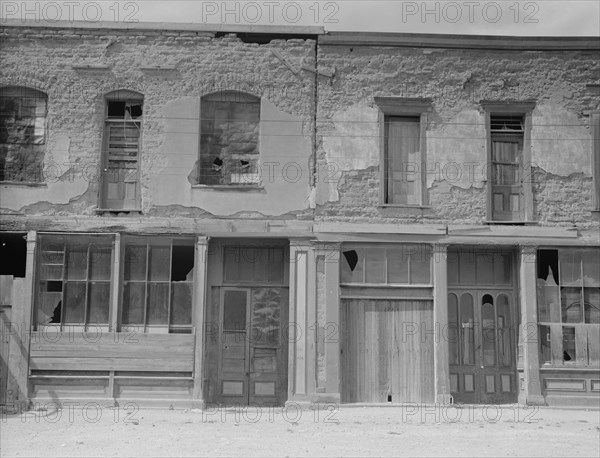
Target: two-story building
197 214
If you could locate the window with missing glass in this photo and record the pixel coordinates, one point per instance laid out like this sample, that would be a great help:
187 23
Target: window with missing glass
401 264
229 139
74 280
568 296
158 280
22 134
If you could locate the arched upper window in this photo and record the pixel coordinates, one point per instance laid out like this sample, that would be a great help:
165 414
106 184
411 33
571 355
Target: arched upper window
121 152
229 146
22 134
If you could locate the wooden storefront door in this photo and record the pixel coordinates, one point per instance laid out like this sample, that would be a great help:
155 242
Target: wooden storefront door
387 350
252 346
482 344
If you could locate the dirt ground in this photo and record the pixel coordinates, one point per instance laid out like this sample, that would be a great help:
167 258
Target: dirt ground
409 430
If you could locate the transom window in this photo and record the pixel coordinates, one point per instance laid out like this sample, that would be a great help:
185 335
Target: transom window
398 264
22 134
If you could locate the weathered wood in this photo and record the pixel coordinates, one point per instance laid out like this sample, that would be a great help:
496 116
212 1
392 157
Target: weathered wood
388 351
440 322
199 300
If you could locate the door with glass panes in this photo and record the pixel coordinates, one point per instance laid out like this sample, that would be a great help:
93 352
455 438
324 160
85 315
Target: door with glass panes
252 350
482 346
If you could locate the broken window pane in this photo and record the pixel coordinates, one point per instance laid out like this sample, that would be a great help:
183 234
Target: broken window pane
182 263
569 349
229 139
352 266
22 134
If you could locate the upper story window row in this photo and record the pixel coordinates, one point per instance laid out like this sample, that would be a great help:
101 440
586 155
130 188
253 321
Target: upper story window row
229 148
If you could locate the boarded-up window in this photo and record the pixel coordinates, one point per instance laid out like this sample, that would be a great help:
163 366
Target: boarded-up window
74 280
390 264
403 162
229 147
121 157
158 279
22 134
568 295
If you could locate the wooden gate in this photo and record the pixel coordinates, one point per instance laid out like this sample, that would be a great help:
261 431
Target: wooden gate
387 351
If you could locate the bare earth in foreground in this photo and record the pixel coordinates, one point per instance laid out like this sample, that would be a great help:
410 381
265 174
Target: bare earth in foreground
348 431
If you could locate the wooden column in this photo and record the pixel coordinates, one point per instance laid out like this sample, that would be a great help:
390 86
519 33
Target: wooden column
302 326
114 284
531 392
25 321
332 322
198 314
440 323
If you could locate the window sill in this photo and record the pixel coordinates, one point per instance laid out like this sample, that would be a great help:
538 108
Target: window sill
569 367
29 184
118 210
418 207
521 223
229 187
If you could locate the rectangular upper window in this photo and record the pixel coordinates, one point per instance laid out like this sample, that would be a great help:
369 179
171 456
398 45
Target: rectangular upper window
122 149
229 139
403 168
22 134
510 197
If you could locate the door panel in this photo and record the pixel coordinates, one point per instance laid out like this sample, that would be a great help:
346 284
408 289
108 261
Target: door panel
482 346
252 348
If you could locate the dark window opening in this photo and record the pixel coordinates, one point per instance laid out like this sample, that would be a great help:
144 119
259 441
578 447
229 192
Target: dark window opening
548 265
182 263
351 258
22 134
13 252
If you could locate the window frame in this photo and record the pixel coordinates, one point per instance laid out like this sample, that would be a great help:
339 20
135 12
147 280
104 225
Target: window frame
522 109
37 94
64 240
560 322
127 96
146 327
403 107
241 185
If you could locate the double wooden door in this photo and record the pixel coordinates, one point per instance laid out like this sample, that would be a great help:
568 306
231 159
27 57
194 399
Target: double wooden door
253 346
482 345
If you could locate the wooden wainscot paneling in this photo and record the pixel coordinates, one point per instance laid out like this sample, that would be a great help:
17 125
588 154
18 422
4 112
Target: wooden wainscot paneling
112 352
594 385
552 384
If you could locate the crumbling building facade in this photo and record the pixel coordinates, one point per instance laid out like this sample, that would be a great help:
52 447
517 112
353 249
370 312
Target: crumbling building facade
198 215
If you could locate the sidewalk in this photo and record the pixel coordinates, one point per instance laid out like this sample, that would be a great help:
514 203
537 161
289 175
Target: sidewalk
409 430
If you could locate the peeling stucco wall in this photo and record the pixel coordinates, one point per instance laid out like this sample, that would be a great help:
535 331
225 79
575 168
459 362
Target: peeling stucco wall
349 140
194 64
